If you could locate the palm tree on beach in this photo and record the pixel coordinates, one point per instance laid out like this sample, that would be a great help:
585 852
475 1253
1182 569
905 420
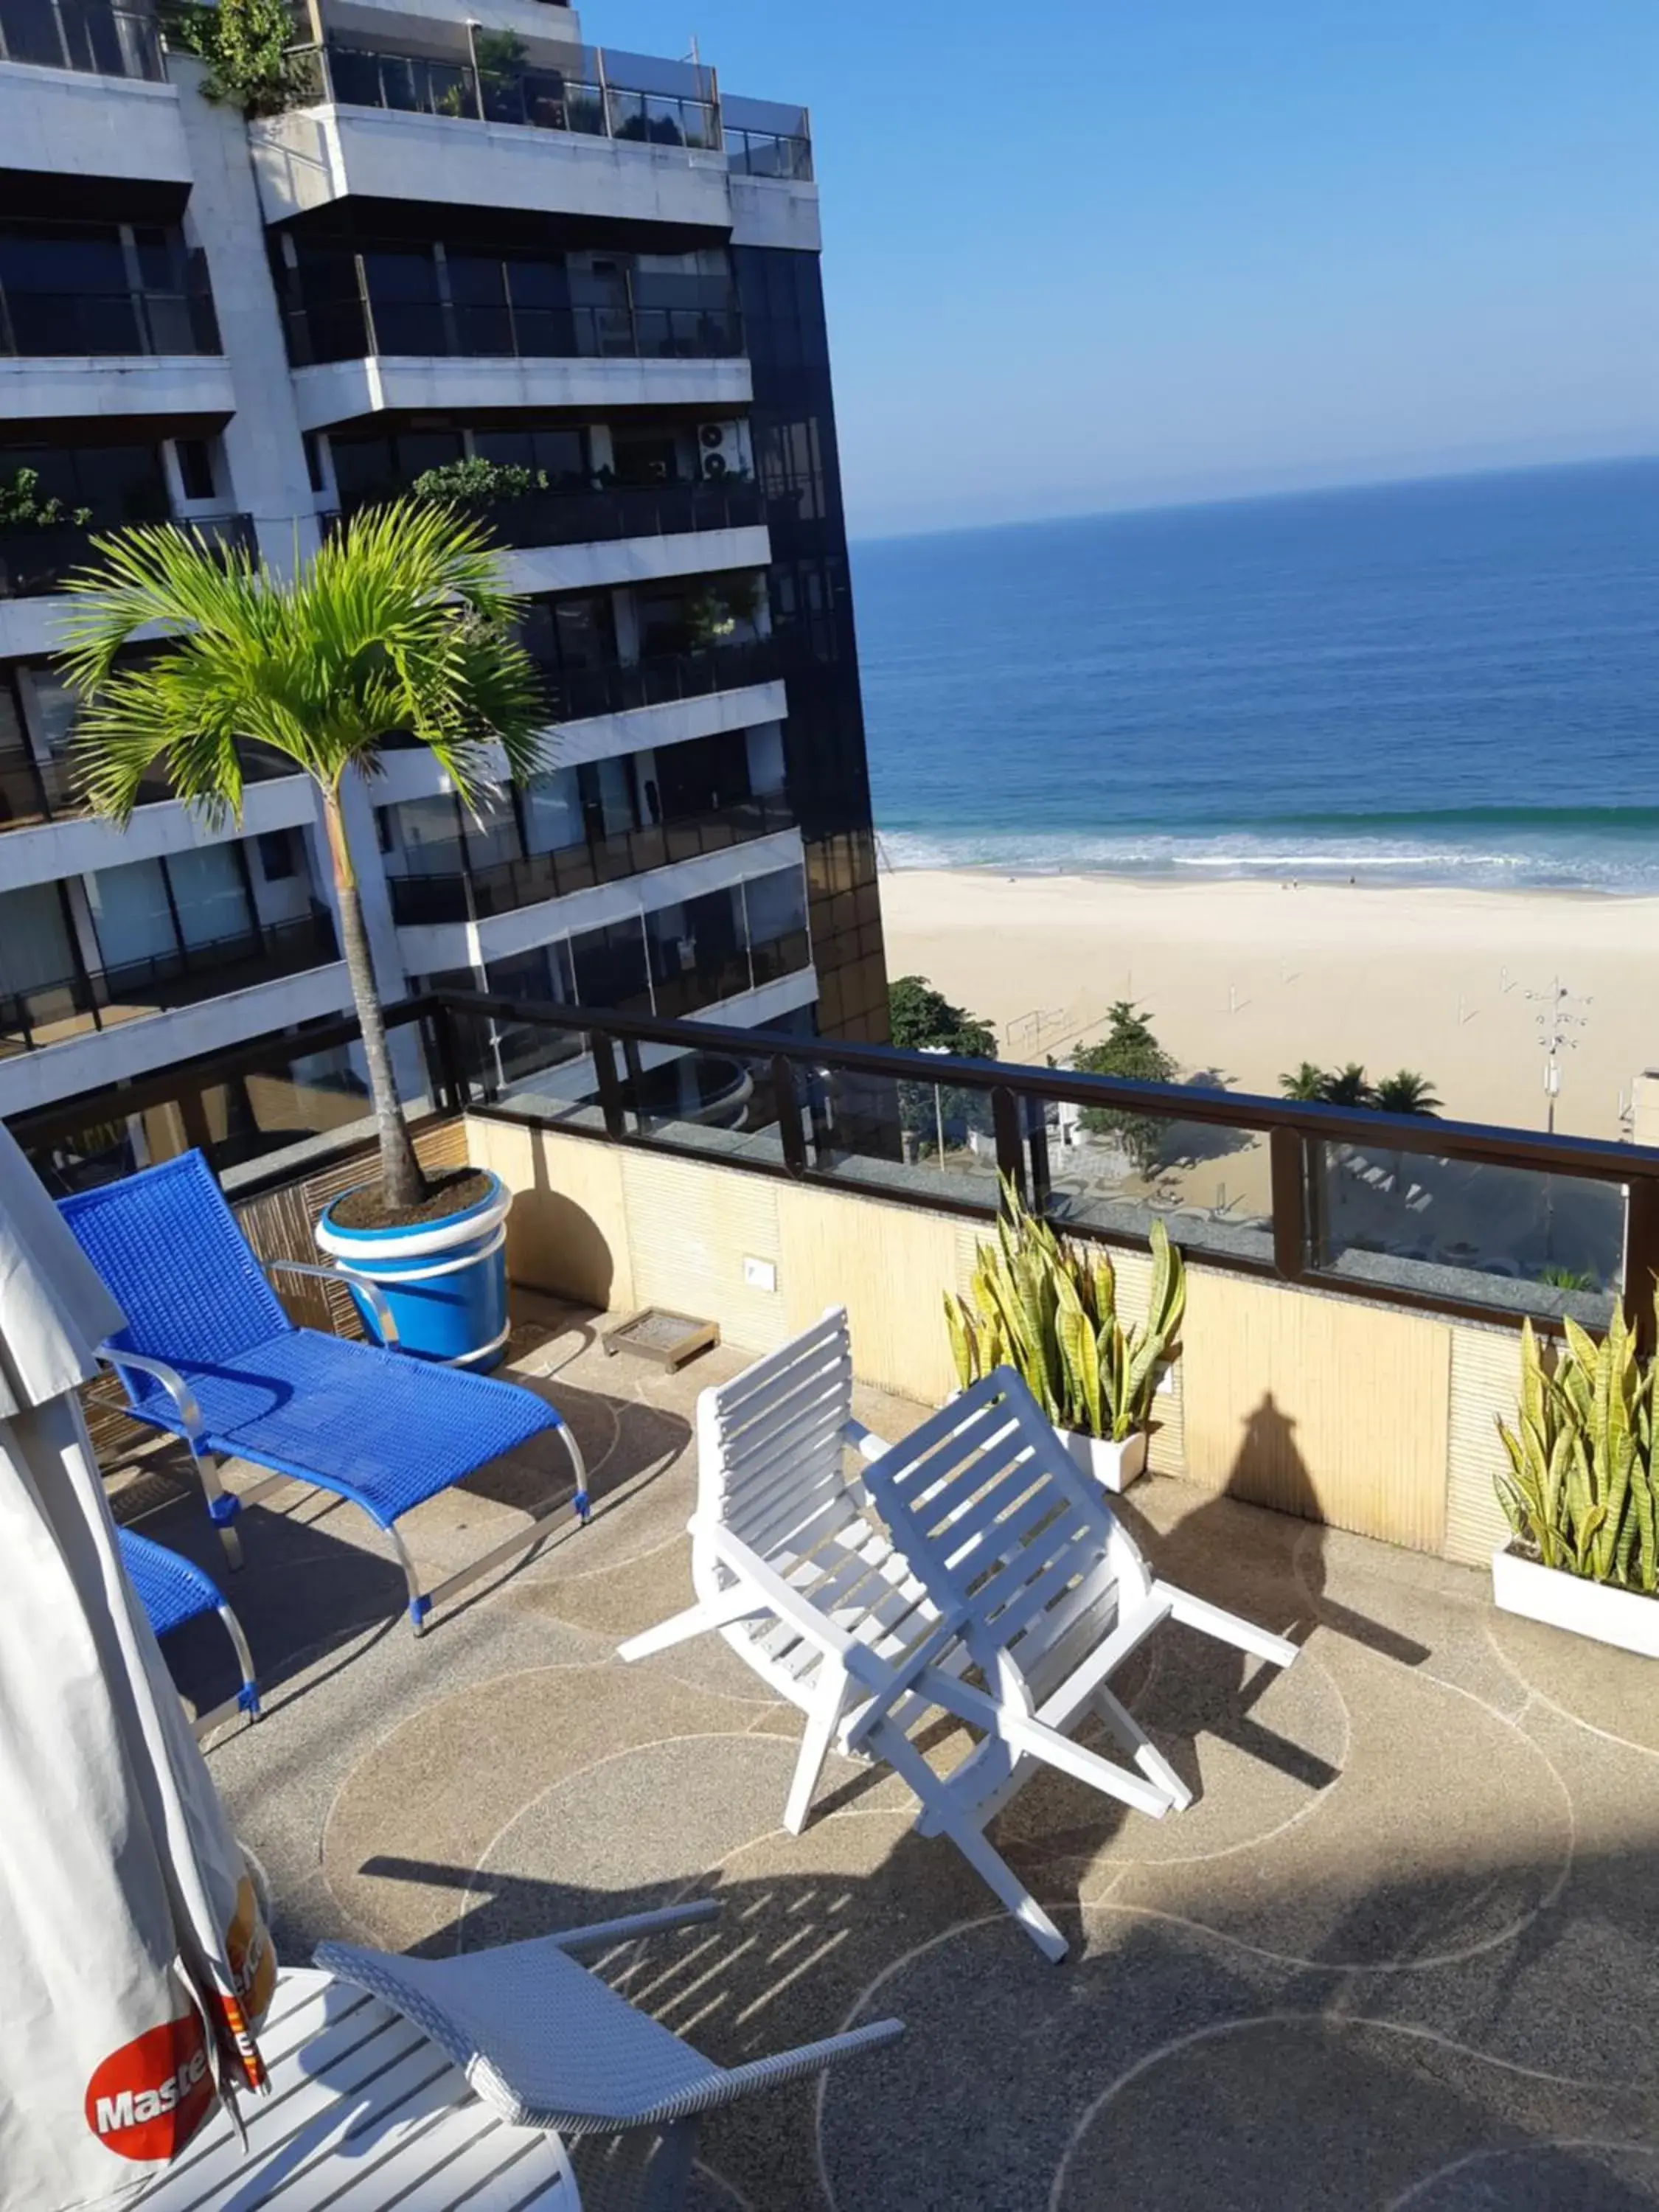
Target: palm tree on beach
1347 1087
399 625
1306 1084
1407 1092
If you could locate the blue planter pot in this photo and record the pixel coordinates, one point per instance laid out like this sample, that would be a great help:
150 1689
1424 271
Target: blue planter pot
444 1280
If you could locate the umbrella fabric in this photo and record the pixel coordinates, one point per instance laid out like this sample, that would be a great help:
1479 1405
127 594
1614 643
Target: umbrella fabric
133 1958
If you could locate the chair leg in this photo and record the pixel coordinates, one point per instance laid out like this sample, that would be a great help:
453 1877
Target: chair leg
734 1605
419 1605
584 1510
248 1698
823 1717
1147 1756
995 1872
223 1505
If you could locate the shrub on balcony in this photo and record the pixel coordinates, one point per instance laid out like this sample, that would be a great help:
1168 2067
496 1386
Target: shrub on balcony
248 47
22 506
713 616
397 625
476 484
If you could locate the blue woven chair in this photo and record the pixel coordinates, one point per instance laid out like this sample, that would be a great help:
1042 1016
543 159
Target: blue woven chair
209 1355
174 1590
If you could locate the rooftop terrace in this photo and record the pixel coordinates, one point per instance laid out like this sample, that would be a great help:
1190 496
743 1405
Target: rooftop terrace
1401 1949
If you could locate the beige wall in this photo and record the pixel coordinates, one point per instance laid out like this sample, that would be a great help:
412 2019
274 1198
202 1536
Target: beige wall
1333 1408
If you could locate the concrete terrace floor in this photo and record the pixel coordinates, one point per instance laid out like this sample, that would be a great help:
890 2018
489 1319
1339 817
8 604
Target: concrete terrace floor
1403 1951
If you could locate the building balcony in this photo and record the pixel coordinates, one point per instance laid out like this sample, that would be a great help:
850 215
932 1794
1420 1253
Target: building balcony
34 792
108 998
83 94
150 352
35 562
391 126
446 380
475 894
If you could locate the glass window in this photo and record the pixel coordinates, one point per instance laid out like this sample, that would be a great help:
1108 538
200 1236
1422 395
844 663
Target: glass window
492 835
279 862
608 966
478 289
703 776
777 905
195 467
402 283
211 893
131 913
608 801
424 836
34 939
552 812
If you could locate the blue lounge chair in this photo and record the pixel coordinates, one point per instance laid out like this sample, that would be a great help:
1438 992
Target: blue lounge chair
209 1355
174 1590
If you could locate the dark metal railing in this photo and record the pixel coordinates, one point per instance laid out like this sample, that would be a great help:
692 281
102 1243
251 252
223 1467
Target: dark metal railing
577 695
83 35
35 561
769 154
351 329
473 894
863 1117
589 517
102 997
140 320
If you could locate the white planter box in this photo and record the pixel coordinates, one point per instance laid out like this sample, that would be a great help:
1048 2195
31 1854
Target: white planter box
1628 1619
1113 1466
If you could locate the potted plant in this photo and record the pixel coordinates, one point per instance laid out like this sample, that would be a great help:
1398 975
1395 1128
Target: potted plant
1580 1494
1048 1309
397 625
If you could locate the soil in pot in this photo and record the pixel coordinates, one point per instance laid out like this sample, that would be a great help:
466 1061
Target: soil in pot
366 1207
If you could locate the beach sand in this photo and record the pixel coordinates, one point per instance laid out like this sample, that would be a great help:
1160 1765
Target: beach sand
1252 978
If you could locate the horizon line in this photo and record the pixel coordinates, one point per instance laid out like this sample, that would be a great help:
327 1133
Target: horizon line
1259 498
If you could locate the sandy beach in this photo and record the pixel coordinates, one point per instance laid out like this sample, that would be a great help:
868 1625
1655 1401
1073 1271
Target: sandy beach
1251 978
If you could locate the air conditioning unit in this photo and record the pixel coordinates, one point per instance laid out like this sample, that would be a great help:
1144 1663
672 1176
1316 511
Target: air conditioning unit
717 442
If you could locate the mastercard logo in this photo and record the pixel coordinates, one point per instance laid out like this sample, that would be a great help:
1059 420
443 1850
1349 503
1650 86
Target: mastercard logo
146 2100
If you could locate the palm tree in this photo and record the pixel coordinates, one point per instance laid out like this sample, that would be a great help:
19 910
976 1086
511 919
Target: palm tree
398 624
1404 1093
1347 1087
1306 1083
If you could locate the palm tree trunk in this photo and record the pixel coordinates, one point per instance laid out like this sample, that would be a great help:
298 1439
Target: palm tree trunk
400 1172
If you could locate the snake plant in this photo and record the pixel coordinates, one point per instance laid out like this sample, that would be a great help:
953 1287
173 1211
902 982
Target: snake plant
1048 1308
1580 1489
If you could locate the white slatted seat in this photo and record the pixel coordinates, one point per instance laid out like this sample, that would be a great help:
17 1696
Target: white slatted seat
364 2113
785 1561
1039 1588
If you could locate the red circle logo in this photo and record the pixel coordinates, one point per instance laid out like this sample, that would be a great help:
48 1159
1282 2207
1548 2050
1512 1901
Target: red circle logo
146 2100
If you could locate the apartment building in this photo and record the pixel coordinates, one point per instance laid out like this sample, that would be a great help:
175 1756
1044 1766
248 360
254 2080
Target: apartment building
468 236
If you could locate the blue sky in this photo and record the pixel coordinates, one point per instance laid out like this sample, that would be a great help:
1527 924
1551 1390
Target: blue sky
1091 254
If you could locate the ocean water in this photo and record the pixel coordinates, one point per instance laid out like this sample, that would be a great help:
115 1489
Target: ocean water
1451 682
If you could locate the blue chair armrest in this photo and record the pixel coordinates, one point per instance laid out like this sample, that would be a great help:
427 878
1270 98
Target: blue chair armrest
184 1399
373 1295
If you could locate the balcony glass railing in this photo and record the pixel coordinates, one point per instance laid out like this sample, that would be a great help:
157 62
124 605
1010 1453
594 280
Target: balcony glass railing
578 694
458 892
36 561
103 998
538 99
83 35
769 154
49 323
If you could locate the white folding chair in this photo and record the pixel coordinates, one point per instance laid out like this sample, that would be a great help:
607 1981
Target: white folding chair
1038 1586
786 1564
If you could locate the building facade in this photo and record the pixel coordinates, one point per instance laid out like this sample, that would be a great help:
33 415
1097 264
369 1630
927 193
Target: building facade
466 239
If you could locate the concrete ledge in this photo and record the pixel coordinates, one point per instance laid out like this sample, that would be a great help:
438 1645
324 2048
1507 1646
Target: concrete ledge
48 850
62 123
41 388
345 391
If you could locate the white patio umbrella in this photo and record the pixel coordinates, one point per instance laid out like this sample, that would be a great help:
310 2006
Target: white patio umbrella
133 1963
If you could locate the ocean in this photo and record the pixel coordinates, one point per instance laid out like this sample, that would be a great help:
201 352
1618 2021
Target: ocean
1452 682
